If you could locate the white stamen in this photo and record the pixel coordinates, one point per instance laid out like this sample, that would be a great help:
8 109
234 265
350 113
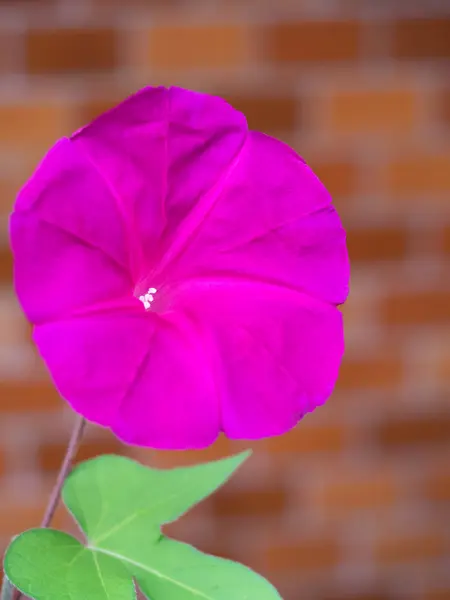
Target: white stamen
148 298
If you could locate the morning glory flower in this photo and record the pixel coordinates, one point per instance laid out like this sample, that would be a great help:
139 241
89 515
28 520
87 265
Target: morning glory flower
182 273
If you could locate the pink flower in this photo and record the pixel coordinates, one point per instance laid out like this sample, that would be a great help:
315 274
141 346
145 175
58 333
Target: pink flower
182 273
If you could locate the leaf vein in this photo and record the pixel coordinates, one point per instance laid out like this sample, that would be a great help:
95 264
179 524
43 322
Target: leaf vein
139 565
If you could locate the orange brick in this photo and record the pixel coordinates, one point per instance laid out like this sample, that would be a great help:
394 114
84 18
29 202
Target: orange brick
377 373
107 4
214 46
419 174
260 503
375 111
50 456
27 126
339 177
2 462
355 311
14 328
9 187
314 41
410 548
221 448
28 397
441 593
307 439
267 114
444 106
8 43
216 547
373 491
446 240
429 307
421 38
186 529
443 369
55 51
15 519
5 265
369 245
307 555
359 596
414 431
437 487
91 109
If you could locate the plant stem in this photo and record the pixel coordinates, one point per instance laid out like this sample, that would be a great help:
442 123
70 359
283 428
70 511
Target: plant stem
7 589
9 593
72 448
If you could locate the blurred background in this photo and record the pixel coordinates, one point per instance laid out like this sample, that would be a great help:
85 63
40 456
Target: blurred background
355 502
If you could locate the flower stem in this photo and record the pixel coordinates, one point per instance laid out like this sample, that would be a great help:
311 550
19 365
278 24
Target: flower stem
66 466
72 448
7 589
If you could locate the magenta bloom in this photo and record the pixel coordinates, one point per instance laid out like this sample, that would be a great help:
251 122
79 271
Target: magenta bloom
182 273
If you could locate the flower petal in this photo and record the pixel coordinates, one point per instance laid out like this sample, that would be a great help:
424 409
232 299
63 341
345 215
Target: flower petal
273 221
275 353
94 359
173 404
68 239
142 374
161 151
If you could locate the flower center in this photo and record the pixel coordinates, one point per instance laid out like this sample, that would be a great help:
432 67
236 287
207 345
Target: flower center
148 298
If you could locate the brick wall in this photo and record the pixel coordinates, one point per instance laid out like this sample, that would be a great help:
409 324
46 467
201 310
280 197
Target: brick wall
352 504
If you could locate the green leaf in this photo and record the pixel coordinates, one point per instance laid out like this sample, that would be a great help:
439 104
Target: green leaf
171 570
120 506
46 564
109 493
